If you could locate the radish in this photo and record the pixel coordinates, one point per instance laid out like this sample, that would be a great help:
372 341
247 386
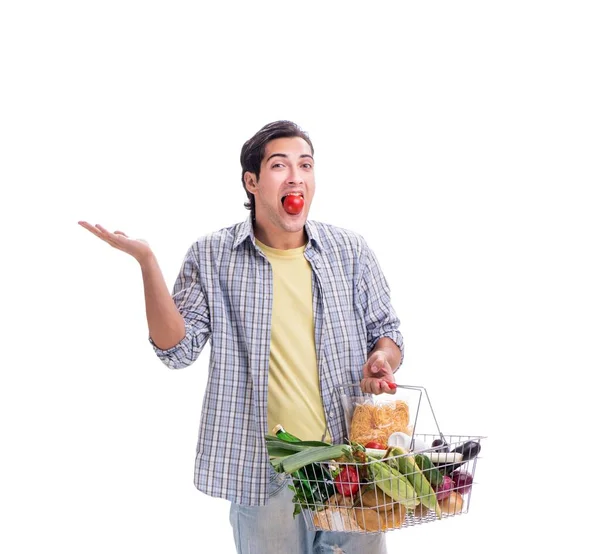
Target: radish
445 488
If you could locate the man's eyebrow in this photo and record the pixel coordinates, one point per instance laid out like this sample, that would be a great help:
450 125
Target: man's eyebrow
286 156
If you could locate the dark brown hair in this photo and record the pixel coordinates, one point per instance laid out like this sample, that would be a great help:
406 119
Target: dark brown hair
253 150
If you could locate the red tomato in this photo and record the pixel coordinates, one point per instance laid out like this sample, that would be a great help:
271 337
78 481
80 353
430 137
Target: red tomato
293 204
347 481
374 444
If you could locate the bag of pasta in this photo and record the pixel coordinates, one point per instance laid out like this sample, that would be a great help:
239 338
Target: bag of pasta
371 418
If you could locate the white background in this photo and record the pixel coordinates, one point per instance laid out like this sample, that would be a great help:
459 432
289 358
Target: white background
460 138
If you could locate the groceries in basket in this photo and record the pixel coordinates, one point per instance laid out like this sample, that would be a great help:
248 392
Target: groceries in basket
355 488
373 422
375 418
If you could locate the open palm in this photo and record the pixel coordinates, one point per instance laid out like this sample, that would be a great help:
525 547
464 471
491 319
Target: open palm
137 248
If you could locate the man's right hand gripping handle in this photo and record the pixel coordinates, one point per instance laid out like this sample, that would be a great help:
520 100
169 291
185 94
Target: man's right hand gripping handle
165 324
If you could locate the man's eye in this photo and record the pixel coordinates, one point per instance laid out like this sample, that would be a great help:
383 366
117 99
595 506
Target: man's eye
307 166
276 165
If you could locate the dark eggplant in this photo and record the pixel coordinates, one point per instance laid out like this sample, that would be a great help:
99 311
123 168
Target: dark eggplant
469 451
440 445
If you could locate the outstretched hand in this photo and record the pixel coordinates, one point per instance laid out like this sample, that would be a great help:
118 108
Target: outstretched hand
378 376
137 248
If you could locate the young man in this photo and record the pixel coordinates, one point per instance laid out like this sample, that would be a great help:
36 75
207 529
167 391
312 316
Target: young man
294 309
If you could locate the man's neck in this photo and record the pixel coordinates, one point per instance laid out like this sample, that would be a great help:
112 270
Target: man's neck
280 240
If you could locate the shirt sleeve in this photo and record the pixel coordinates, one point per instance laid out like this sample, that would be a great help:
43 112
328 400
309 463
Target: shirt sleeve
374 295
190 299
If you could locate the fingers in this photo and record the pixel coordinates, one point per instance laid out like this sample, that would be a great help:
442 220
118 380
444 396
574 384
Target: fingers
103 230
138 248
377 368
111 238
370 385
114 239
374 385
115 235
86 225
90 228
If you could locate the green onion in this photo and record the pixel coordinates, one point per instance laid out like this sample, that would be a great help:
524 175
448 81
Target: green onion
312 455
270 438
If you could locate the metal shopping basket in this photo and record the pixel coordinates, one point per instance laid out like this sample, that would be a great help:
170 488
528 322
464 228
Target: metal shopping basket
430 480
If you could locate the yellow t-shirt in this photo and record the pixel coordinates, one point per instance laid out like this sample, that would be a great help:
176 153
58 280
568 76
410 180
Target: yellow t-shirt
294 396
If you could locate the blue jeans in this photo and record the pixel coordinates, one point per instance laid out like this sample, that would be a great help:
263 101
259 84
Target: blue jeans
272 529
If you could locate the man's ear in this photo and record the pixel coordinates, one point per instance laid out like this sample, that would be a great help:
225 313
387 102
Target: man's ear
250 181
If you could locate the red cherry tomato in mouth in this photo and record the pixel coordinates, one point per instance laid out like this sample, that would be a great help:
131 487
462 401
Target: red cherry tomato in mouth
347 481
293 204
375 445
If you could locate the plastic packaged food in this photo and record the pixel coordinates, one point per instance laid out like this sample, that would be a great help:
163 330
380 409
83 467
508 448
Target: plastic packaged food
374 418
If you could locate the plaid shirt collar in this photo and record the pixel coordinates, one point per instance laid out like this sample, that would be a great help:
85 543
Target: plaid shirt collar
245 230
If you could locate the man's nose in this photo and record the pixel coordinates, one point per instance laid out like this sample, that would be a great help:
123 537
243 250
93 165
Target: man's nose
295 177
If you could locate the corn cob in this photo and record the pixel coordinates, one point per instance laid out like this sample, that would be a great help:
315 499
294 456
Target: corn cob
409 468
394 484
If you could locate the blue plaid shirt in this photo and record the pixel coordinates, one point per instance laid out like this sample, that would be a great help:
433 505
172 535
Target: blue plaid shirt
224 292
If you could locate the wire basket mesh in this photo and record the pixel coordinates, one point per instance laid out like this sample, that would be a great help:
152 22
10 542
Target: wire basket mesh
432 479
366 498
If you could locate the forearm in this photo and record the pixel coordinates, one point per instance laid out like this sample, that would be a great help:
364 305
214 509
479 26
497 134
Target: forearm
391 351
165 323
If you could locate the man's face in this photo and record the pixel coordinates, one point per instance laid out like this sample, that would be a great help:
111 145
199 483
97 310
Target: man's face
287 167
